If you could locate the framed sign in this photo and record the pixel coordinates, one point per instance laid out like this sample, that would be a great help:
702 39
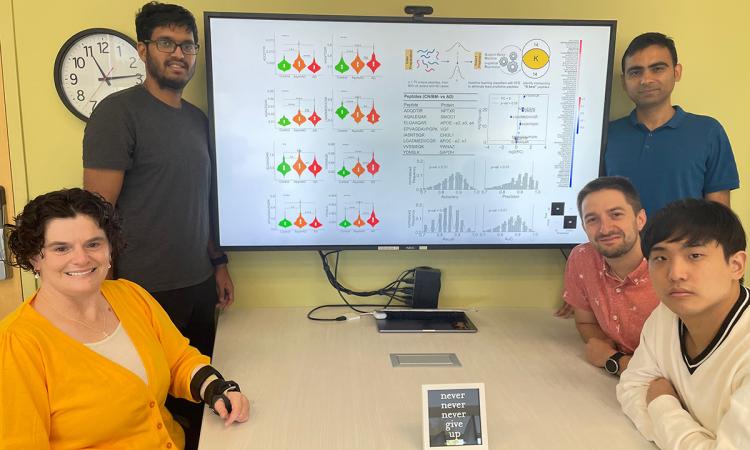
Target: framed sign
454 415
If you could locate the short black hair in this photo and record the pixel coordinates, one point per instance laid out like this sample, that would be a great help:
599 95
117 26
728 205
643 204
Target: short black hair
696 221
647 40
26 237
154 14
621 184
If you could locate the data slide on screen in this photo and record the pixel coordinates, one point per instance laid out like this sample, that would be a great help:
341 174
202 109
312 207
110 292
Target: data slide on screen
335 133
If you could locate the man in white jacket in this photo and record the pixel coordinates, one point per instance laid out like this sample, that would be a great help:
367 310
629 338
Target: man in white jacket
688 383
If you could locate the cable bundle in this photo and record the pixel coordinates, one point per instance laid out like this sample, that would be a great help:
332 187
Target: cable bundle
393 290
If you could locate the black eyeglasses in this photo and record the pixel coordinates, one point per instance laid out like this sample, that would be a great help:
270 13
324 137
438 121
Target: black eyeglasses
169 46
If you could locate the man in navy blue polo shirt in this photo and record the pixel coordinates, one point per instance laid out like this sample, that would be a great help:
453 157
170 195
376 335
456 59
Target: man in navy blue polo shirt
667 153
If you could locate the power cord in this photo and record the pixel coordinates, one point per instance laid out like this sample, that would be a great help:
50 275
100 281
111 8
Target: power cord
393 290
341 318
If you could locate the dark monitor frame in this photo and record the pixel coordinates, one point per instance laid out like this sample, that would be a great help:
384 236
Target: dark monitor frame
416 20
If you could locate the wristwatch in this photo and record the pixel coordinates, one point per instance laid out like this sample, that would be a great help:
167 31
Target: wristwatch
613 363
223 259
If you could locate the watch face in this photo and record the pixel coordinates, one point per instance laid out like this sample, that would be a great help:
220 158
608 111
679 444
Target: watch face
93 64
611 366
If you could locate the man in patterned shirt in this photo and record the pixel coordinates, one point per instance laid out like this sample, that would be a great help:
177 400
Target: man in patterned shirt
606 279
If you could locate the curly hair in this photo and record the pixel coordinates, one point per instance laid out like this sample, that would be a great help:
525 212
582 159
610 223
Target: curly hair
26 237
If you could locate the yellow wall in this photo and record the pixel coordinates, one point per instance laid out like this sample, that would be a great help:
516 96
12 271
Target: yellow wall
46 139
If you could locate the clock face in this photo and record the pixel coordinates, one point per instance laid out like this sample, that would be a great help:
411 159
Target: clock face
93 64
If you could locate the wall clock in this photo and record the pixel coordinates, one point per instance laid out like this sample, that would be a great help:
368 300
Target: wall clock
93 64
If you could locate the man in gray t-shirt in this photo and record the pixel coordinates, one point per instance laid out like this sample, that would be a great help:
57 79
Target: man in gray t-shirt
145 149
163 153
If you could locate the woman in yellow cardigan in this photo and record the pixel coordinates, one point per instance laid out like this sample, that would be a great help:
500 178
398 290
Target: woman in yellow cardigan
87 362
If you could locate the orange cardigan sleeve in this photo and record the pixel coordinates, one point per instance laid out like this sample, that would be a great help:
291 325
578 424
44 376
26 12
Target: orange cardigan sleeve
24 407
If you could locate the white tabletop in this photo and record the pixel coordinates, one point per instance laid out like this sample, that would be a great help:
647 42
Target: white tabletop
331 385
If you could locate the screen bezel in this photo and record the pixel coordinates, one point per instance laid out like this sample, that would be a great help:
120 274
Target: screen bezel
214 206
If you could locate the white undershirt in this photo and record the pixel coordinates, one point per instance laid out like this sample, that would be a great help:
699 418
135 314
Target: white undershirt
119 348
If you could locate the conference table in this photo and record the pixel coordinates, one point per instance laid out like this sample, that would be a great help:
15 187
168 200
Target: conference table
331 385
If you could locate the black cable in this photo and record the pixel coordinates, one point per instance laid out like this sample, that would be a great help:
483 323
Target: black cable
393 295
392 290
332 278
338 286
340 318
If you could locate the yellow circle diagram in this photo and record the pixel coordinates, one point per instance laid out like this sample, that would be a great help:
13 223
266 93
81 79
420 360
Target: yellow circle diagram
536 58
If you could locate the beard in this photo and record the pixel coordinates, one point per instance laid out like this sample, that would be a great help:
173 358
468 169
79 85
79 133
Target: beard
157 73
615 252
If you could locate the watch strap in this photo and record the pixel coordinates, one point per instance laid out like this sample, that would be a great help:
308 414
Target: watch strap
616 357
219 260
199 378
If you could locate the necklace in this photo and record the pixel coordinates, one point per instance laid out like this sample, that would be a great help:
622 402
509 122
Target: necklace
103 331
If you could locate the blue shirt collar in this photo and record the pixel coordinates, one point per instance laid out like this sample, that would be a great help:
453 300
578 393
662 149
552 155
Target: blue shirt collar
674 122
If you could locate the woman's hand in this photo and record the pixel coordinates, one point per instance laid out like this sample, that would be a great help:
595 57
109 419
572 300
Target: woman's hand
240 408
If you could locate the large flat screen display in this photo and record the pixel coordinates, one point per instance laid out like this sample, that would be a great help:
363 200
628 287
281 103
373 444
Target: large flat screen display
372 132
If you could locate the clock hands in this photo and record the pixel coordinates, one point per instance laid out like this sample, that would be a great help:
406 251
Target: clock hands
106 78
101 71
120 77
